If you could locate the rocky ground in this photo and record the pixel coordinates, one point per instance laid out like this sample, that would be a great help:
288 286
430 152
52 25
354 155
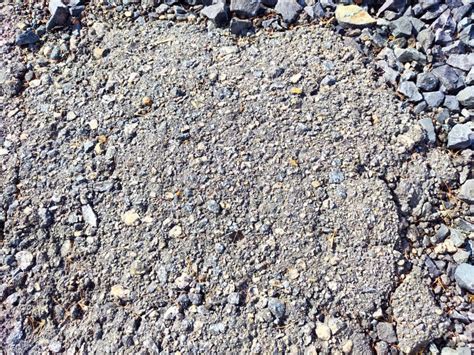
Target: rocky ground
167 186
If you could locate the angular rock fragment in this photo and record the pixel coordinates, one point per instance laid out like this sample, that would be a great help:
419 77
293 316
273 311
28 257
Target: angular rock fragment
240 27
245 8
410 91
217 13
353 16
466 192
429 129
434 99
401 27
406 55
89 215
315 11
451 103
26 38
464 276
427 82
415 313
461 136
448 78
466 97
60 15
288 9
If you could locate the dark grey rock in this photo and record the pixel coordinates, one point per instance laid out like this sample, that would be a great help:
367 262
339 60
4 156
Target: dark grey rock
434 12
460 136
60 17
396 6
245 8
466 192
427 82
410 91
464 276
425 38
456 47
328 80
434 99
428 127
240 27
217 13
406 55
418 25
451 103
402 27
420 107
467 36
390 75
288 9
386 332
26 38
426 4
432 268
276 307
442 233
214 207
448 78
269 3
466 97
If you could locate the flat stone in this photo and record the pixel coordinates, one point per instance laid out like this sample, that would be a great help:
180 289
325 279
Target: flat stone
353 16
217 13
464 276
466 192
26 38
461 61
406 55
427 82
460 136
466 97
434 99
410 91
245 8
60 17
288 9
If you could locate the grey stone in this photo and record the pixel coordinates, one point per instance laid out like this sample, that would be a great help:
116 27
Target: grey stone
418 25
402 27
406 55
466 97
234 298
394 5
461 256
464 276
269 3
426 4
442 233
240 27
245 8
26 38
425 38
428 127
470 77
288 9
89 215
315 11
467 36
460 136
456 47
217 13
466 192
390 75
448 78
434 12
457 237
434 99
427 82
214 207
461 61
410 91
60 16
276 307
386 332
451 103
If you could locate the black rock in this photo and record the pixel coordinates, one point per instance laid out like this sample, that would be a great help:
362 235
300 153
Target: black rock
427 82
406 55
245 8
217 13
26 38
240 27
448 78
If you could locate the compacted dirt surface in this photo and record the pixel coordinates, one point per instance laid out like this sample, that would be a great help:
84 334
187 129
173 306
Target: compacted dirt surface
168 188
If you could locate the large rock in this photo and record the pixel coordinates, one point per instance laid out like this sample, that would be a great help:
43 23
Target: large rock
461 136
353 16
466 192
466 97
415 313
461 61
217 13
434 99
401 27
448 78
406 55
288 9
427 82
245 8
26 38
464 276
240 27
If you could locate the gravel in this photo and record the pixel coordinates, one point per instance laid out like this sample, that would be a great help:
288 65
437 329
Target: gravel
168 186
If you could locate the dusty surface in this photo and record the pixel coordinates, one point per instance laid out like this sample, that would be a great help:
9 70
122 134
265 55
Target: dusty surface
249 207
